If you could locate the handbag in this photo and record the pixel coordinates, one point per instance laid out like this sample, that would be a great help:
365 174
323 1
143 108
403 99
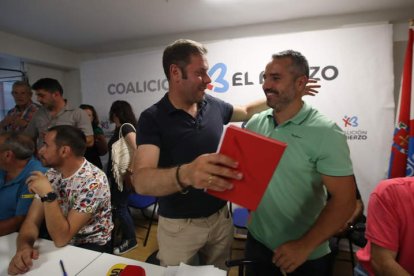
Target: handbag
121 158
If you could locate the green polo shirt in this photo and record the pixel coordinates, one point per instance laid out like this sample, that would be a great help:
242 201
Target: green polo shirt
296 195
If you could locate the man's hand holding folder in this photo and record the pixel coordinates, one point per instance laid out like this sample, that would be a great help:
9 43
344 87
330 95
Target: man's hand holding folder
213 171
256 158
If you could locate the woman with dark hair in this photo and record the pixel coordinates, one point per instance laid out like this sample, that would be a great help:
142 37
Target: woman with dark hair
100 147
121 113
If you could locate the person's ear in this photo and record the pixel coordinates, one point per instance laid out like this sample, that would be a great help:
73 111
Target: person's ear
7 154
175 72
301 82
65 151
55 94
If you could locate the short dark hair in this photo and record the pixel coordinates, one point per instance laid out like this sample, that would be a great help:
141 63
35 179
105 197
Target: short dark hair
300 64
95 120
48 84
179 53
124 112
71 136
22 145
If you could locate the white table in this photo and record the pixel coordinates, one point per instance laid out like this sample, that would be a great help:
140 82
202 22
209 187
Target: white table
77 261
74 258
104 262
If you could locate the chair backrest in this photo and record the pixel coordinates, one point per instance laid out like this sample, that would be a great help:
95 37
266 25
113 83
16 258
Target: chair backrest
140 201
240 217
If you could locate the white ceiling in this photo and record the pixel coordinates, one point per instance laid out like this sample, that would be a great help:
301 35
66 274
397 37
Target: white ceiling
85 25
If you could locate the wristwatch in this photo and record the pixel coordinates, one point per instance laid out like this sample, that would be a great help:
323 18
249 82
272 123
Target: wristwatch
49 197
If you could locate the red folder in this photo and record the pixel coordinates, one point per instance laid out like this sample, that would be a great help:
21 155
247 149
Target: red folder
258 157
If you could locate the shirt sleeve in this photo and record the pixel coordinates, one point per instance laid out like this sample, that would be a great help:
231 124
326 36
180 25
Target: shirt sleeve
127 129
24 201
334 156
382 223
148 131
225 108
83 122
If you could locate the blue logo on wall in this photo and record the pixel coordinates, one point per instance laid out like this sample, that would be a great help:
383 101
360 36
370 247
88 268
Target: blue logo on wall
218 83
350 121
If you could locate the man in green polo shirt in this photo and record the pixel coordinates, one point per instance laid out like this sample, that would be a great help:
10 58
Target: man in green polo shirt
293 222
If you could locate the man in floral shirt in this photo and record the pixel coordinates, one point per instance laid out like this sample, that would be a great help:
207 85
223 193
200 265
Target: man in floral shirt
73 198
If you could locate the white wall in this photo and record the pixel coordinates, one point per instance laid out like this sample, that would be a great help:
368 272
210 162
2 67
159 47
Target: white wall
37 52
42 60
398 18
44 57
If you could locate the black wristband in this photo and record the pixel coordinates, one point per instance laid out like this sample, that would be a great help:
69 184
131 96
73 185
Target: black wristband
183 187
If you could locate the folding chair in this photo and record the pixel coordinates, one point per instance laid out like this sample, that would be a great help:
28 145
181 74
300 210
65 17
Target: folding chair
240 217
142 202
355 234
240 263
243 263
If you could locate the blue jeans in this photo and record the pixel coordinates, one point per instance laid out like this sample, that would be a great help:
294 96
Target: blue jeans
263 266
122 214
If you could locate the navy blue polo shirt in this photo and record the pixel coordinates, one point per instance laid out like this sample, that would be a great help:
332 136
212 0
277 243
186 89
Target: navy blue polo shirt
182 138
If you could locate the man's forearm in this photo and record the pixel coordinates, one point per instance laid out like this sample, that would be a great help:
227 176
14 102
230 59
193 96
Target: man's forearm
244 113
388 268
28 234
384 261
256 107
331 219
155 182
359 208
56 223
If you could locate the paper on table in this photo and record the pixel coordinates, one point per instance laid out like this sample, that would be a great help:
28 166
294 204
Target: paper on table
258 157
188 270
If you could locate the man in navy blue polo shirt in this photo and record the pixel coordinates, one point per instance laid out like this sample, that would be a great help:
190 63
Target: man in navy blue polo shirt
16 164
175 160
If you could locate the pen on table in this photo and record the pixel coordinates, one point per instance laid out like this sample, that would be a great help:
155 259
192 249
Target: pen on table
63 268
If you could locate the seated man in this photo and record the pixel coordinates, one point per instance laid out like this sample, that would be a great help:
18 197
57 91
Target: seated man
389 230
73 198
16 164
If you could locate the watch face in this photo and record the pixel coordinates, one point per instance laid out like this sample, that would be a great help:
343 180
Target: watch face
49 197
